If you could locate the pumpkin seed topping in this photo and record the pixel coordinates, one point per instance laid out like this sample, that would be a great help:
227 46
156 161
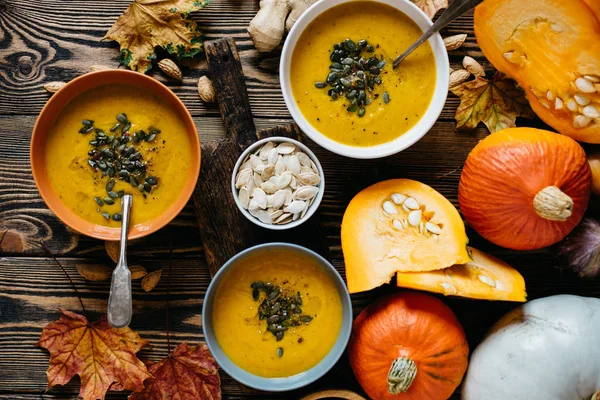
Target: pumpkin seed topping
354 75
279 309
115 156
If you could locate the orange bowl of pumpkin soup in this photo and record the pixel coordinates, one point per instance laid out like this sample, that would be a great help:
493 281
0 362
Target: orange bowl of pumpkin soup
111 133
339 84
277 317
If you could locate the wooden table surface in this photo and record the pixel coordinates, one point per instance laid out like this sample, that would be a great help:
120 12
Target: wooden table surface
50 40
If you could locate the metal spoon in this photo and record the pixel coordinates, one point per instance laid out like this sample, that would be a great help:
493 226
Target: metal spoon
119 299
455 10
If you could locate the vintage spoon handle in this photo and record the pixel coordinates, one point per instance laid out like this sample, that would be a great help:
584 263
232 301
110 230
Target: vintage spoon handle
119 299
455 10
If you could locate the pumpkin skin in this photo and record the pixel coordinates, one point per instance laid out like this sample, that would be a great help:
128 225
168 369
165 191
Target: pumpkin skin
545 349
374 249
408 326
594 161
546 46
486 278
525 188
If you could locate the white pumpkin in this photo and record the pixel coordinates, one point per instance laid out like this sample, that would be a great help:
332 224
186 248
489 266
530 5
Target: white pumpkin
547 349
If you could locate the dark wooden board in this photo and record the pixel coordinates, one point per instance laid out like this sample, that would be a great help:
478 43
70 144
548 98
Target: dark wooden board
51 40
224 229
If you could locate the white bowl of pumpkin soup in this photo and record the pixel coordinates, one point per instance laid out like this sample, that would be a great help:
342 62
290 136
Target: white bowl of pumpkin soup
339 85
277 317
111 133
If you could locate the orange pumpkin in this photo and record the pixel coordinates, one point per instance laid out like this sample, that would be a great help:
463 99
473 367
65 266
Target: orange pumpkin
552 49
408 346
525 188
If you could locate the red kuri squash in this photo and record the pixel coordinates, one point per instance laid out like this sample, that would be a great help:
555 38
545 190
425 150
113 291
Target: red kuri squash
408 346
525 188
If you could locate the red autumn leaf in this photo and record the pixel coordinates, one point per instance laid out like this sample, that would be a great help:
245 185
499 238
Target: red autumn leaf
98 353
190 372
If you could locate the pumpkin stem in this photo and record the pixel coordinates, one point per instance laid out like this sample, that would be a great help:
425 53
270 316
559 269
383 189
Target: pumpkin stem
401 375
596 396
553 204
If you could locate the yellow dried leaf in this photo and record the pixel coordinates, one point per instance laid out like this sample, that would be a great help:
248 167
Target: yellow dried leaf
147 24
112 249
496 102
137 272
94 272
151 280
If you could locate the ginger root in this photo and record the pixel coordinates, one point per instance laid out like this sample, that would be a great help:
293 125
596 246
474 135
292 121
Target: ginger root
273 19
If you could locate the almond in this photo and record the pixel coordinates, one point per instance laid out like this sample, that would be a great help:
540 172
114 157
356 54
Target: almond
206 90
112 249
137 272
455 42
473 66
169 67
458 77
151 280
94 272
53 87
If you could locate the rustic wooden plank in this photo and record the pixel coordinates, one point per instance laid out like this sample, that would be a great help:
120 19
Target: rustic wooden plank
43 41
228 78
225 231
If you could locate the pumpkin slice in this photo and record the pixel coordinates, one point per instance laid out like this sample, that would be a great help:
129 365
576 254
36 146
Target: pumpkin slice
486 278
399 225
552 49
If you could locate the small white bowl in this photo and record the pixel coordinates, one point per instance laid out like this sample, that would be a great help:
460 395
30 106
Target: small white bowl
311 209
407 139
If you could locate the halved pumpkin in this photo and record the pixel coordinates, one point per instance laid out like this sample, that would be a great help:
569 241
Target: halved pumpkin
399 225
552 49
486 278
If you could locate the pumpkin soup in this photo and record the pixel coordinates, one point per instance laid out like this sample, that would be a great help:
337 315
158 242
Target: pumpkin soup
114 140
277 313
342 76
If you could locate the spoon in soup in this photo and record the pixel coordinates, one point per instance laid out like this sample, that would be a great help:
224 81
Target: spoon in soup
119 299
455 10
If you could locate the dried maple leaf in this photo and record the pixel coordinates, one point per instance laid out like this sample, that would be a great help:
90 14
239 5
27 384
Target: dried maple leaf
190 372
147 24
496 102
98 353
431 7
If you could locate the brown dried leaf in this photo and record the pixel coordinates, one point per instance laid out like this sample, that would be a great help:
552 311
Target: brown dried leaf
151 280
102 356
94 273
112 249
147 24
431 7
497 103
137 272
190 372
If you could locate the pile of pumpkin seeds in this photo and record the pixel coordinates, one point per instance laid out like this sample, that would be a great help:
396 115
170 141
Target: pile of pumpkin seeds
354 73
114 155
280 310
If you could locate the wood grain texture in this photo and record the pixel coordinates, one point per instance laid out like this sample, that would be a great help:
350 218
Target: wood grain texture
51 40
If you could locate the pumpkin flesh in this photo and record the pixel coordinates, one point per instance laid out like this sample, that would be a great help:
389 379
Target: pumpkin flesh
509 171
552 49
486 278
375 247
409 326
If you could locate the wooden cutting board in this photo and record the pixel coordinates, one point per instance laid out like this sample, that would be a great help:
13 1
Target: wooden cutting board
224 229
